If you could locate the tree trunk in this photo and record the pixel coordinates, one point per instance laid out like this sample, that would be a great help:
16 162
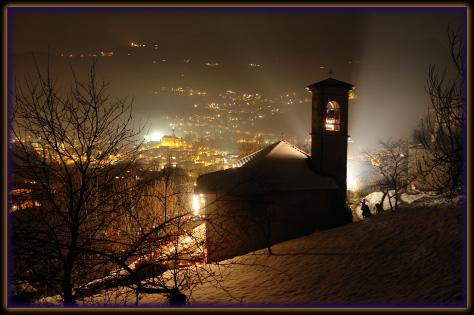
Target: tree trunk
396 199
176 298
390 201
69 298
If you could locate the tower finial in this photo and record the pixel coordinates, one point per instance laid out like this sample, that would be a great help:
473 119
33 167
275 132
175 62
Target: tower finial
330 72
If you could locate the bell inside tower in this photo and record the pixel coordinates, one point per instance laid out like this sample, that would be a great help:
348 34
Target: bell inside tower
333 116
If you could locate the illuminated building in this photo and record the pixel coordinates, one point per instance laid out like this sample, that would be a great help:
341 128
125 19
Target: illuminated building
21 199
172 141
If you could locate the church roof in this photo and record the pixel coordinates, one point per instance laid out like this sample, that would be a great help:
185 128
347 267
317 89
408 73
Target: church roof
278 150
280 166
331 82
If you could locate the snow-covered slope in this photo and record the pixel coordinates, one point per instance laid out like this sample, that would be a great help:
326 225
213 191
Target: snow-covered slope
410 258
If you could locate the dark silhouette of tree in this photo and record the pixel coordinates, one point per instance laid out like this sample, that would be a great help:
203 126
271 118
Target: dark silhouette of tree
393 175
72 144
170 257
440 134
96 220
157 238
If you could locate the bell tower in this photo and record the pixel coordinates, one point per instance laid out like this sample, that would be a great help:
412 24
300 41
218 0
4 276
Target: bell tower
329 129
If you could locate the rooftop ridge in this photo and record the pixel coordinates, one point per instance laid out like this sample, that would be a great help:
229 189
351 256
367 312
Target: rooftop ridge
294 147
251 157
254 158
331 82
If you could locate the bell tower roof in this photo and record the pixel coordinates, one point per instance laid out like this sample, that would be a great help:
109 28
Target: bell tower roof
331 82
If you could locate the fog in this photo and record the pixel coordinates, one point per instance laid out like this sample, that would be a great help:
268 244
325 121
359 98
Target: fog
396 51
385 53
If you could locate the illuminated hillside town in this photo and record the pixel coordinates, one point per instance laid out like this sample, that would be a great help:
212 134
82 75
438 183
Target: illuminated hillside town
215 128
194 150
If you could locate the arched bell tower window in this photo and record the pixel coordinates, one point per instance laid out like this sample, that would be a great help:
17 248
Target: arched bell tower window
333 116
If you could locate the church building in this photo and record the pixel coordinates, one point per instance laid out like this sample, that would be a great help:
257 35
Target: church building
281 192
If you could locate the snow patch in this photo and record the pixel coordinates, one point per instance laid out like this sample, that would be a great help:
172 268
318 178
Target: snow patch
409 198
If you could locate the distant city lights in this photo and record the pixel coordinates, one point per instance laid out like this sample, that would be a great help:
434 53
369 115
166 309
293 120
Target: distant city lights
155 136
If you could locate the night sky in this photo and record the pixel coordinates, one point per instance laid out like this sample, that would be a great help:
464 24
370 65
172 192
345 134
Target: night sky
384 52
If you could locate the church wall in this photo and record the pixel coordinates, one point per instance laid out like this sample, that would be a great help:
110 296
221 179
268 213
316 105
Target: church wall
238 224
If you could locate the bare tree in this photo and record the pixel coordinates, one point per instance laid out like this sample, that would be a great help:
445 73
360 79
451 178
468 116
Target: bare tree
158 232
390 162
71 144
99 220
161 245
440 134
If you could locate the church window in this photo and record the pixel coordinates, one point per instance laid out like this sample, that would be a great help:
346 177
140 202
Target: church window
333 116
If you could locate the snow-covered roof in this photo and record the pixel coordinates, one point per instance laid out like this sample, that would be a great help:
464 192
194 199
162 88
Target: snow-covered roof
278 150
280 166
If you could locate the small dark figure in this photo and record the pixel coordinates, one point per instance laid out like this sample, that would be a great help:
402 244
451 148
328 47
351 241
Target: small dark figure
379 208
365 210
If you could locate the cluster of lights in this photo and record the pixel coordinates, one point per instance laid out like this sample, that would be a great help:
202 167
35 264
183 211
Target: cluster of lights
198 201
99 54
185 241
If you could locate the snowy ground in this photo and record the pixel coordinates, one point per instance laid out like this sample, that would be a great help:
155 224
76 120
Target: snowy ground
410 258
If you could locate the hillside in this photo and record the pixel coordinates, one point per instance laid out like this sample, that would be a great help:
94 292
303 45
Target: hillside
410 258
